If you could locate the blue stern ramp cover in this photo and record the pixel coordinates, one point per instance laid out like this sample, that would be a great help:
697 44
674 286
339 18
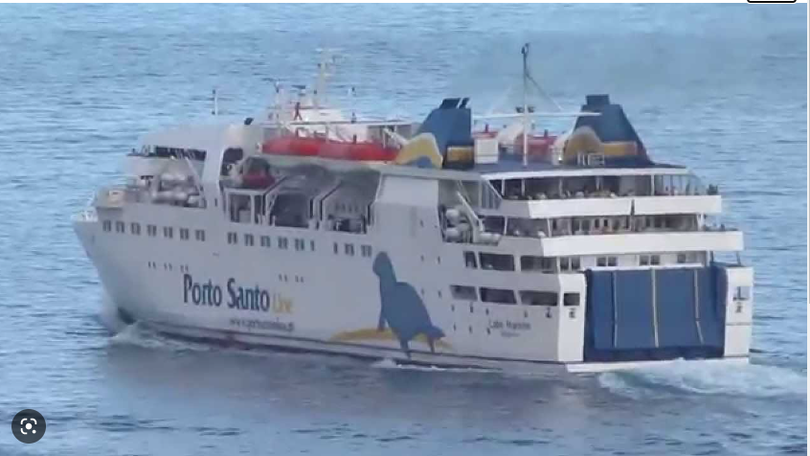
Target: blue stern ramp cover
637 315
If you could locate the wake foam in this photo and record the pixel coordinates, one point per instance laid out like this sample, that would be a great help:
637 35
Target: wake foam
388 363
109 315
695 377
140 335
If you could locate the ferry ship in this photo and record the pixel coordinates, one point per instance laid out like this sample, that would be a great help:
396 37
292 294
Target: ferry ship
436 242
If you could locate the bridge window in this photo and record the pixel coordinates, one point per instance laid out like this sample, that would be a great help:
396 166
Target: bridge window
570 299
536 263
283 243
336 248
601 261
151 230
538 298
607 261
494 224
463 292
174 152
265 241
312 245
498 295
184 234
120 227
299 244
135 227
655 260
199 235
232 238
497 262
570 264
365 250
644 260
168 232
349 249
470 261
107 225
249 240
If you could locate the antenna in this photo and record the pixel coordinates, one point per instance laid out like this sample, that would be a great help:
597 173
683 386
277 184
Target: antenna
325 71
215 99
353 93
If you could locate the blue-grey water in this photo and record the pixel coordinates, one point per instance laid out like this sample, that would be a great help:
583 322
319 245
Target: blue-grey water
720 88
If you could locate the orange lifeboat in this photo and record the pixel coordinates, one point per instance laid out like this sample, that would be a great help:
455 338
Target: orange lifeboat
539 146
320 147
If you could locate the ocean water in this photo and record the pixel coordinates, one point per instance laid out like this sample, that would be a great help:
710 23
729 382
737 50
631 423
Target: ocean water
719 88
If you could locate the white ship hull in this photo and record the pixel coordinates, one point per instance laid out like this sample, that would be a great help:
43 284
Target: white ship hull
307 297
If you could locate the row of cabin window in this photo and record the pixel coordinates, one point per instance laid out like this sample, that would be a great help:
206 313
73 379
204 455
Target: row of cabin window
682 258
265 241
619 223
152 230
348 249
516 226
502 262
506 296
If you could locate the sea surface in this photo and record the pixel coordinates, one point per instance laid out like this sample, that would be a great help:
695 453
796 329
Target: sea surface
719 88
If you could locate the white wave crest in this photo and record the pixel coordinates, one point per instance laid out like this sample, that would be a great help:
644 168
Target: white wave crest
751 380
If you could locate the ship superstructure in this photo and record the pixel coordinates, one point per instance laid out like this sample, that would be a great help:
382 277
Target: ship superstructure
428 242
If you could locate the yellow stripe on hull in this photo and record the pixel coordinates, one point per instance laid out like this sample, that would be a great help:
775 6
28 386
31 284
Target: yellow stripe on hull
369 334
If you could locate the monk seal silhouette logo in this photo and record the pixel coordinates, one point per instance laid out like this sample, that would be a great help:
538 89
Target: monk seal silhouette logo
402 308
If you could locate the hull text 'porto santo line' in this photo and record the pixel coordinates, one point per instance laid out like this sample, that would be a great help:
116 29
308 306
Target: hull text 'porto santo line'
445 242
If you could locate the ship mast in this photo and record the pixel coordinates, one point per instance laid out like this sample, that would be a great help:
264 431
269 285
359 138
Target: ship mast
525 52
